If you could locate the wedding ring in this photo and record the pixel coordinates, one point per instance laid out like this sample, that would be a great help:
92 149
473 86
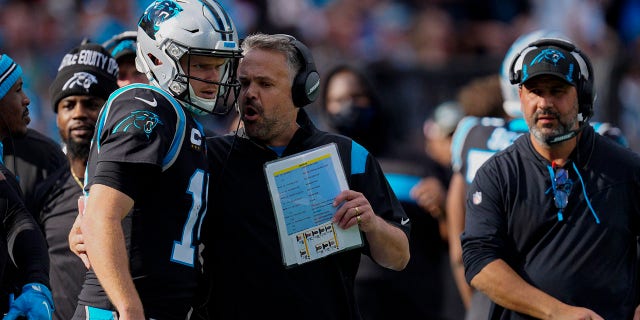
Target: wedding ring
357 212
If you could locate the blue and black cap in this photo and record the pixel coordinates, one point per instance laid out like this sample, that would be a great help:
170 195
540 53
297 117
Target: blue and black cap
9 74
551 60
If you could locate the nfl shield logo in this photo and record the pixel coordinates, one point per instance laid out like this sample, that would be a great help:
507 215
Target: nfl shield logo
477 197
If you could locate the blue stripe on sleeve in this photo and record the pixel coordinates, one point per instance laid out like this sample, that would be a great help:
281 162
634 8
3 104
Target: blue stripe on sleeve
459 136
358 158
401 184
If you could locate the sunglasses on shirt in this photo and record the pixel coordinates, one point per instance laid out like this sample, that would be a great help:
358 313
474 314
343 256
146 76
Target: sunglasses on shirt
561 185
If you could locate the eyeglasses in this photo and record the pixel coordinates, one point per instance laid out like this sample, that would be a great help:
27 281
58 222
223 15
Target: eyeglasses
561 185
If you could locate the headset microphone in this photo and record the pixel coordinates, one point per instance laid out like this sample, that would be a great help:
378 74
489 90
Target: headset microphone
565 136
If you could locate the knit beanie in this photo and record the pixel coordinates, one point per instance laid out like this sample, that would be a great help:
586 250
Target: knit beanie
87 70
9 74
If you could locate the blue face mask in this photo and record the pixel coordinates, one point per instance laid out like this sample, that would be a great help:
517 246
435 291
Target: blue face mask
353 121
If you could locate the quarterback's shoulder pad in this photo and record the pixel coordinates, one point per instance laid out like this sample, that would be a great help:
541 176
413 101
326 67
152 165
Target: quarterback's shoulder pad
140 110
137 97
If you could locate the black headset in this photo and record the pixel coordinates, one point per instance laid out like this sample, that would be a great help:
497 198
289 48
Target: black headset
585 83
306 84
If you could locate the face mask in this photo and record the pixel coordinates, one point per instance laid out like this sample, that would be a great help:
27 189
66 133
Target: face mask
353 121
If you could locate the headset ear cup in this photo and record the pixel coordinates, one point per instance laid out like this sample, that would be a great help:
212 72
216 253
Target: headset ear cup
312 86
306 84
305 89
588 90
586 98
586 93
297 90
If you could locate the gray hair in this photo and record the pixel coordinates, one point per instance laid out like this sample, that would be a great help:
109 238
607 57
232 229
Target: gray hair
275 42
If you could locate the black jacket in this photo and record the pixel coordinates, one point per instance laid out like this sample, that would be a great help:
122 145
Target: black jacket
243 258
511 216
22 246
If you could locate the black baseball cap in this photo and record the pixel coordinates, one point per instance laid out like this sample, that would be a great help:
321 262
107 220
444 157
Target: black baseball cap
550 60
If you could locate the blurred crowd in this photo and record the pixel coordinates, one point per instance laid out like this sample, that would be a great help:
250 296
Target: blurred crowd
418 52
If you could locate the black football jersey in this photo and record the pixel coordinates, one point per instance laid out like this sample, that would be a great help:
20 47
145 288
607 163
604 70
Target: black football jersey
142 125
477 139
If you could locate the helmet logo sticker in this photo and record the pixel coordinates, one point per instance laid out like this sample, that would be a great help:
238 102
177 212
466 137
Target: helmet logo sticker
80 79
140 120
160 12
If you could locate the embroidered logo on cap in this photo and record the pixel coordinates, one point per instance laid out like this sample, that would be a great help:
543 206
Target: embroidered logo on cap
80 79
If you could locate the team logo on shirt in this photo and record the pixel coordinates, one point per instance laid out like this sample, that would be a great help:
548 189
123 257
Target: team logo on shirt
477 198
141 120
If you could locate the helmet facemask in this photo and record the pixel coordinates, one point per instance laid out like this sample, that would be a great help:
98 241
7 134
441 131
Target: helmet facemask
170 32
182 86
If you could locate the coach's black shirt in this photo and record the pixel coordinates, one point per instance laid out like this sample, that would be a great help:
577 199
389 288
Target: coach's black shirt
511 216
242 251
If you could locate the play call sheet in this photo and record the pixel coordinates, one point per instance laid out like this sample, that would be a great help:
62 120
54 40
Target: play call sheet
302 188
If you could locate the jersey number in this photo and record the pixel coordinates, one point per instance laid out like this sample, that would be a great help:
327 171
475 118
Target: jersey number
184 250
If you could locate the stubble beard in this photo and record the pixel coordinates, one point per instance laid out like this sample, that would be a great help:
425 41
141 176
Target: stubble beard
541 134
261 130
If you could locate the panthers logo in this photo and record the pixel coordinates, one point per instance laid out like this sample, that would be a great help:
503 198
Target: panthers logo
156 14
139 120
80 79
551 56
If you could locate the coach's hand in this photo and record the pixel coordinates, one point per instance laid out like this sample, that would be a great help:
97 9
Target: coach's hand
76 241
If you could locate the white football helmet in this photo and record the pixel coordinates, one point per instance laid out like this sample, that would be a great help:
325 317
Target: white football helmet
511 102
170 29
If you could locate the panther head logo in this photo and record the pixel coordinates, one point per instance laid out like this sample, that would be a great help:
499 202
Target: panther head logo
156 14
139 120
553 57
80 79
550 55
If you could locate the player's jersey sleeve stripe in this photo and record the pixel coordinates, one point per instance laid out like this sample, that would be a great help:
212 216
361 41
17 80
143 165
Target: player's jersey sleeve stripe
606 129
599 127
459 136
518 125
401 184
178 138
104 114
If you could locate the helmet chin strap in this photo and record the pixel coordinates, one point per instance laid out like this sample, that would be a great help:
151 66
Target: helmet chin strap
200 105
